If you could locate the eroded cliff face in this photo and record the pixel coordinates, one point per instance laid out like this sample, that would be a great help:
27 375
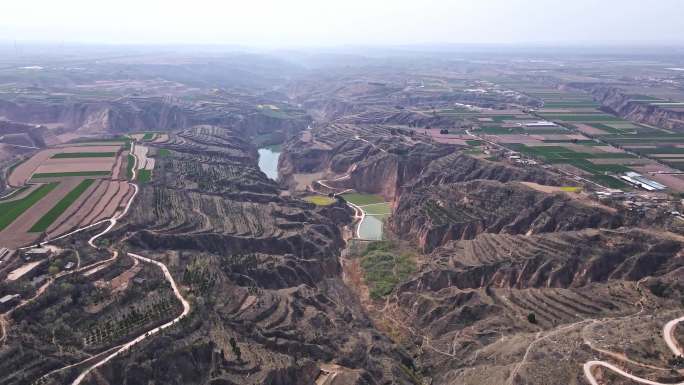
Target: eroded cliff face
380 165
273 130
624 105
96 117
432 216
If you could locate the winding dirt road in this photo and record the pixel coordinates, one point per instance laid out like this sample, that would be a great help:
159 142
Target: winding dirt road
668 333
112 222
126 346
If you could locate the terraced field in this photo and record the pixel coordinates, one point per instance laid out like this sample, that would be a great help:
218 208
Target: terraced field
10 211
61 207
65 173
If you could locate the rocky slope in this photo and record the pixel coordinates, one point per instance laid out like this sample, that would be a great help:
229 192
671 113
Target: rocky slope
377 159
433 215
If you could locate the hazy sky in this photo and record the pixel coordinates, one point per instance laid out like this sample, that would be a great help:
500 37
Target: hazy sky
338 22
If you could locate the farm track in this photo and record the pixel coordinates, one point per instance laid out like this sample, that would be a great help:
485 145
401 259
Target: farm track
668 334
112 222
121 348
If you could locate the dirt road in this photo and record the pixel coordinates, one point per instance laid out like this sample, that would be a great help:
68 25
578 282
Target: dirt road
128 345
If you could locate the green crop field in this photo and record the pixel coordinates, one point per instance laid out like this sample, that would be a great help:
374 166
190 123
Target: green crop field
383 208
562 155
66 155
319 200
491 130
9 211
659 150
363 199
61 206
148 136
584 118
144 176
65 174
608 181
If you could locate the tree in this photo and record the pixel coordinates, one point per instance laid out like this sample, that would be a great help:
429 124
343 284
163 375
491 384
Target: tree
53 269
532 318
236 349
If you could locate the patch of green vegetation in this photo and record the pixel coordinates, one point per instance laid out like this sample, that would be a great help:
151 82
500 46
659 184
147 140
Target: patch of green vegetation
571 189
163 153
148 136
129 166
597 168
67 155
61 206
144 176
474 143
9 211
473 151
65 174
383 208
319 200
383 269
362 199
608 181
277 114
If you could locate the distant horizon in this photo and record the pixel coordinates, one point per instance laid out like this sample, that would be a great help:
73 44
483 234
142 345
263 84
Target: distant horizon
310 23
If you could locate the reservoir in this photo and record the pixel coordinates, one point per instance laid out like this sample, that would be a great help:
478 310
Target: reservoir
268 160
371 228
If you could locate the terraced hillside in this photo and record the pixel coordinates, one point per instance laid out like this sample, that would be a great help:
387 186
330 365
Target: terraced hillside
263 270
517 309
521 278
433 215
